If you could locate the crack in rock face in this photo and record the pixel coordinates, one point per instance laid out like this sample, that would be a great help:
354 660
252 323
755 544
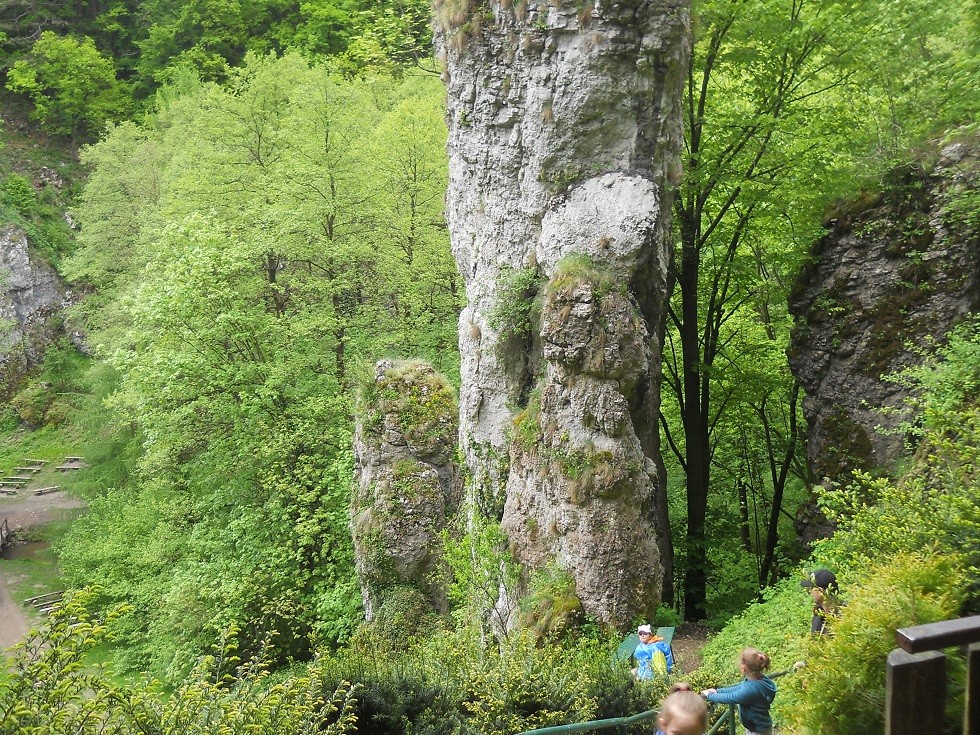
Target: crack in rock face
565 128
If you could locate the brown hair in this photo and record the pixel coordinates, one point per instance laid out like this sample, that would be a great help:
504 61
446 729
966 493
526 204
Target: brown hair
686 701
756 662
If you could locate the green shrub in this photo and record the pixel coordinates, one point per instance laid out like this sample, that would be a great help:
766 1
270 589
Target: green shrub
667 616
551 608
455 683
32 403
842 688
512 315
18 193
49 690
406 613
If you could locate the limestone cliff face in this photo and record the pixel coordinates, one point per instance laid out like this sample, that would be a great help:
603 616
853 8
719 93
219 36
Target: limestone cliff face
895 267
32 302
564 132
407 483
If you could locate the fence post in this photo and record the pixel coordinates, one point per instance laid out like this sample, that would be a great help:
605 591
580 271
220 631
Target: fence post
971 712
915 694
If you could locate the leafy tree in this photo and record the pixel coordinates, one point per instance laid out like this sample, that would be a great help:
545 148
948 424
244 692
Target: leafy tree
72 86
213 36
282 236
775 119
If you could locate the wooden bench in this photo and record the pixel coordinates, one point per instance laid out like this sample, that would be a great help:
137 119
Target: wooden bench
66 467
7 490
12 483
33 469
17 478
624 652
28 460
44 604
46 490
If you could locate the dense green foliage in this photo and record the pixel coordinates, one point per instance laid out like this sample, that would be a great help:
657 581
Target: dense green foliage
788 106
905 552
72 86
50 690
256 245
147 42
271 224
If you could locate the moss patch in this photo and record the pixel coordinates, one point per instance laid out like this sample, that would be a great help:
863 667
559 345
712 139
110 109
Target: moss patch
847 445
421 399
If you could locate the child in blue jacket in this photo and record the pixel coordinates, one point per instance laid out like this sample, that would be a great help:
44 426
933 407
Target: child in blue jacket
753 696
648 646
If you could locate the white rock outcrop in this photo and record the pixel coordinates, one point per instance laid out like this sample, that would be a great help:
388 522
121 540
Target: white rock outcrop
565 129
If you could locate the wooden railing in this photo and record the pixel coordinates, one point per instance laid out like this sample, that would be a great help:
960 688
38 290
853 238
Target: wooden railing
916 685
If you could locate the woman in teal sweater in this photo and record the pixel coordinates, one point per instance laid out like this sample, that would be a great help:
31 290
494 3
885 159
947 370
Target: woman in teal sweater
753 695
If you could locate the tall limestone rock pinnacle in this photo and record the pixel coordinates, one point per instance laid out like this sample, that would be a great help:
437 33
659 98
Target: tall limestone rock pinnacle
407 485
565 128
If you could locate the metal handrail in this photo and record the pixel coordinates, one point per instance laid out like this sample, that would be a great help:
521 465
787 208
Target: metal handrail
726 719
594 724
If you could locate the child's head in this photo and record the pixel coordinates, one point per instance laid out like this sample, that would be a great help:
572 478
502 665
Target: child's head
754 662
683 713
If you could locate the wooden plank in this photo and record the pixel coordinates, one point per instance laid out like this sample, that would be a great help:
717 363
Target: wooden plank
28 460
33 469
66 467
971 713
8 491
46 490
915 693
17 478
74 459
933 636
46 596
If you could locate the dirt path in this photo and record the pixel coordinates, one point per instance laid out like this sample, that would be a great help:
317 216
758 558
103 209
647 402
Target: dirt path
688 641
24 512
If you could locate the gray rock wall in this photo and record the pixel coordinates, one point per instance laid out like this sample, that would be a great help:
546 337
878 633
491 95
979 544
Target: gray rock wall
897 267
32 302
564 135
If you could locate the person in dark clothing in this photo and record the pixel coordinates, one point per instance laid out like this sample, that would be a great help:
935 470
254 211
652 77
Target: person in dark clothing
822 586
753 695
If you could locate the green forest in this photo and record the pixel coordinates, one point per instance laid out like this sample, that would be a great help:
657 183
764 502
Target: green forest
250 214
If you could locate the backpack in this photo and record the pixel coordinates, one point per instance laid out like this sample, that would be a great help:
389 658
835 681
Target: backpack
659 664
